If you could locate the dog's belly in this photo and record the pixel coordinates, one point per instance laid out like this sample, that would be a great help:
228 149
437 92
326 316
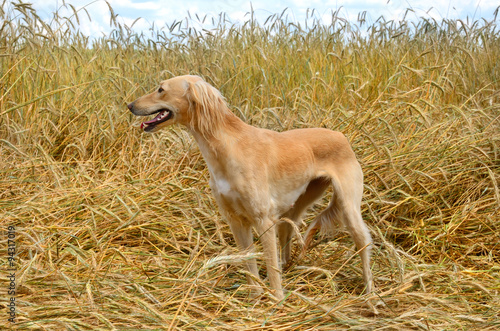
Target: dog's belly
283 200
254 201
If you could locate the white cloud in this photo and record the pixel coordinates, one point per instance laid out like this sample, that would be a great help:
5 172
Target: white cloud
129 4
238 16
168 11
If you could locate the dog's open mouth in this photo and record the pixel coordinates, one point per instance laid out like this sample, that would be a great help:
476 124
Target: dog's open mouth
163 116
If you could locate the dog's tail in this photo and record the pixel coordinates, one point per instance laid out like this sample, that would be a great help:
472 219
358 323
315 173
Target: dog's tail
344 210
328 220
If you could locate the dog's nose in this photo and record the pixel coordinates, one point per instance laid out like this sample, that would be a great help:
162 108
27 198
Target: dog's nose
130 105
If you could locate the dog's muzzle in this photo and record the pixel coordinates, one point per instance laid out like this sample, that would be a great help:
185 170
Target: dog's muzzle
163 115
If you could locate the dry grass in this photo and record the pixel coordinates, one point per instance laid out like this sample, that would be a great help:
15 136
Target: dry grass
116 229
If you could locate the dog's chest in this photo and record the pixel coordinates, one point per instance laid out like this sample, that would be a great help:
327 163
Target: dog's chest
222 186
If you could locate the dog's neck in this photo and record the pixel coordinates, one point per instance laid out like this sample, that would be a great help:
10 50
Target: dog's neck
220 144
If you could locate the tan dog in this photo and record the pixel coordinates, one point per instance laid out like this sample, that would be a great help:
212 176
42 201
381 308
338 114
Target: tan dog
260 177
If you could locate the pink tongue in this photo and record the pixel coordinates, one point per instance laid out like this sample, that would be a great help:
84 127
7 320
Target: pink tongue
157 118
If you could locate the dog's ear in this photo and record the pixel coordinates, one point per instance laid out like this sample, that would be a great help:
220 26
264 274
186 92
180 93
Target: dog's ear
205 95
208 107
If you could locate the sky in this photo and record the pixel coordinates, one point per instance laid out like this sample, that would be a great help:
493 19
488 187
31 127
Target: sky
161 12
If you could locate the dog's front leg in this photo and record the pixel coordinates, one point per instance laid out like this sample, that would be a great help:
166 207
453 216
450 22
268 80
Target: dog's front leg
267 234
242 233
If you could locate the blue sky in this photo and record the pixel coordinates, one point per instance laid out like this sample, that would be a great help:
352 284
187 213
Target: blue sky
160 12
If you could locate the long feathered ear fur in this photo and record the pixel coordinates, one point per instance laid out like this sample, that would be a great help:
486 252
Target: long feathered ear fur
209 109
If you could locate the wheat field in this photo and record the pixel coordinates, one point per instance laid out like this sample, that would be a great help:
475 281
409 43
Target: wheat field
116 229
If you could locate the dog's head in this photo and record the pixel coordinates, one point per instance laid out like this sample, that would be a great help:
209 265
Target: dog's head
186 100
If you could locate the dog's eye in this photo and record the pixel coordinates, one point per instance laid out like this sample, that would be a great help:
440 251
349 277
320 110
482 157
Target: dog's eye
160 90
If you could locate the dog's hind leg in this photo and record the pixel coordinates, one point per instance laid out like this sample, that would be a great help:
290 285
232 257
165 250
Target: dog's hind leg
350 184
361 236
345 208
